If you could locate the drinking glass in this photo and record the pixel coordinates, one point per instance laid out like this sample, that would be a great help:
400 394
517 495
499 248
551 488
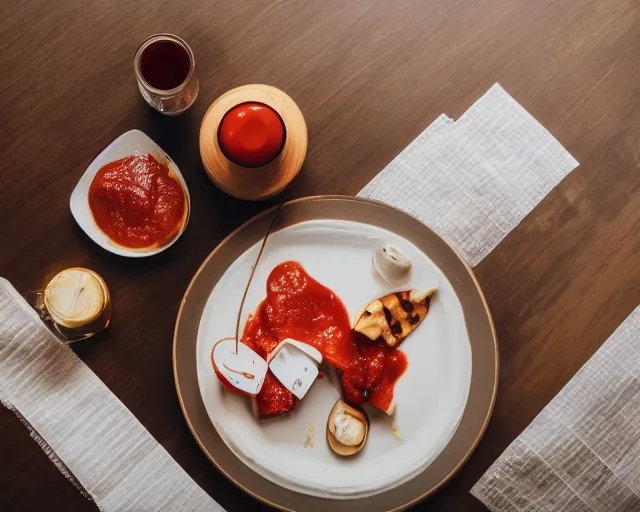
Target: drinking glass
165 69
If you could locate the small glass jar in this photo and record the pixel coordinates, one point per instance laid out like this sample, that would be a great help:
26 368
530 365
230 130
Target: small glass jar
165 69
75 304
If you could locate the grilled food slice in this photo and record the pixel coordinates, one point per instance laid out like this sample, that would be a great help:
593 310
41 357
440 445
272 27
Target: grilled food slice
394 316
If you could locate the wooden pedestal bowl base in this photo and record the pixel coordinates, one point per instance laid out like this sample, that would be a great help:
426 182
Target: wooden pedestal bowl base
256 183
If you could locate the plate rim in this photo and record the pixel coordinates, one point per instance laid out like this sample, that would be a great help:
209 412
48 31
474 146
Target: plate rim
412 501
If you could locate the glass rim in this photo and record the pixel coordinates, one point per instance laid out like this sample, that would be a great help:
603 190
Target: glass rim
154 39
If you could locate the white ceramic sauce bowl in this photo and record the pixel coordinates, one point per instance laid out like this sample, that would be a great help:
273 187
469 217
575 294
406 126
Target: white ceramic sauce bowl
133 142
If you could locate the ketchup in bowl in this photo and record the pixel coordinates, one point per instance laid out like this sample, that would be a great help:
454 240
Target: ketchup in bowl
138 202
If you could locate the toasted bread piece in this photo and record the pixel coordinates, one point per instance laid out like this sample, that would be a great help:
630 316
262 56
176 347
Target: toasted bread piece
394 316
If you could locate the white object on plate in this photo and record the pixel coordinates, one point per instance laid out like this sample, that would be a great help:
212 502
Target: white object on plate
131 143
393 266
245 370
311 351
430 396
348 430
295 365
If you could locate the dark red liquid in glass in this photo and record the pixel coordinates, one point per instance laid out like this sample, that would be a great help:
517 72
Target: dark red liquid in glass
165 65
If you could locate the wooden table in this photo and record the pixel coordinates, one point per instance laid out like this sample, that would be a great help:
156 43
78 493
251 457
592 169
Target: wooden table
369 76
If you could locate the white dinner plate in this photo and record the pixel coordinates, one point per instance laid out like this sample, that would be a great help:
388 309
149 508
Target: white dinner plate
430 396
444 399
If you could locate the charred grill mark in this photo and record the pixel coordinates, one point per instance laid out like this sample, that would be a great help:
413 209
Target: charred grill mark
396 328
414 319
404 302
387 314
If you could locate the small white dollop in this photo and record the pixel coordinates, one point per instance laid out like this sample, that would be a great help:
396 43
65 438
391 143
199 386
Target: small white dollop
348 430
295 365
244 371
393 266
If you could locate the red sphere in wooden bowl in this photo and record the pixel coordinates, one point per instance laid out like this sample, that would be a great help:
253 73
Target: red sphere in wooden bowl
251 134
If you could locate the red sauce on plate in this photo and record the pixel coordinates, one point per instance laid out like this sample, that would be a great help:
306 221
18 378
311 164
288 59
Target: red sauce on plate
137 202
297 306
372 376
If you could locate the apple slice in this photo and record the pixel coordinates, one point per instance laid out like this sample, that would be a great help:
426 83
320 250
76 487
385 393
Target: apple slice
243 372
295 365
311 351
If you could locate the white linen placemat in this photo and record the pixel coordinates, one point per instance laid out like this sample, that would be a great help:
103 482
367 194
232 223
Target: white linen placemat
582 452
475 179
87 432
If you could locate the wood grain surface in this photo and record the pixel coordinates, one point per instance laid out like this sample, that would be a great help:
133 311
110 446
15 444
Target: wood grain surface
369 75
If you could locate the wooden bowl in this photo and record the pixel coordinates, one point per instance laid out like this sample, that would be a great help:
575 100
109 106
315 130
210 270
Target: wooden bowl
254 183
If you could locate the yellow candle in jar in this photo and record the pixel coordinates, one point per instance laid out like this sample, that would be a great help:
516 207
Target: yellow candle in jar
76 297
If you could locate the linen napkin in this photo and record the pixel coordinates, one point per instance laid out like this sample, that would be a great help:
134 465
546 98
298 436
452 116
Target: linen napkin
475 179
87 432
582 452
